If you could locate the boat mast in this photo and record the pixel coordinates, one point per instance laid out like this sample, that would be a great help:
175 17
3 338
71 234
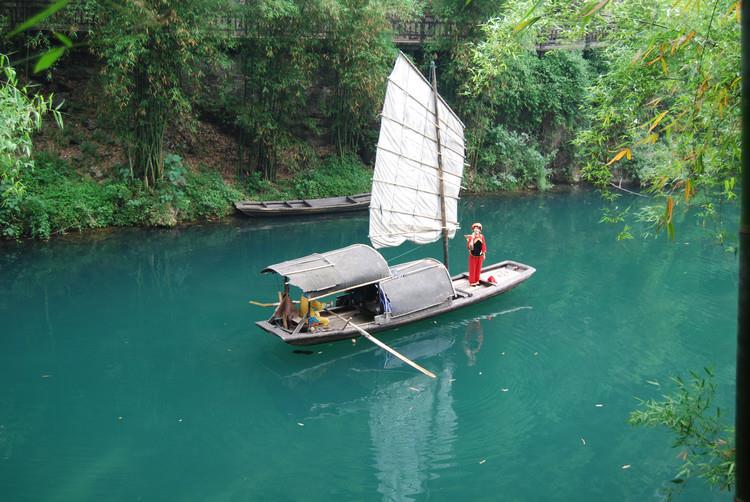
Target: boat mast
433 76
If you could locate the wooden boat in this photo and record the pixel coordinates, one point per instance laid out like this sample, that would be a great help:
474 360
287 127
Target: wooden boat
415 191
370 294
343 204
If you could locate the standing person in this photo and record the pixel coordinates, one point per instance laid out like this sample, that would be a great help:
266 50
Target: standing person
477 249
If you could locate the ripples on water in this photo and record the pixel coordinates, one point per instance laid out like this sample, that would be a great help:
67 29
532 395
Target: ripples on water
131 367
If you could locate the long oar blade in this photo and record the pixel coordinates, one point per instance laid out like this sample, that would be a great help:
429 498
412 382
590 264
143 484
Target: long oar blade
387 348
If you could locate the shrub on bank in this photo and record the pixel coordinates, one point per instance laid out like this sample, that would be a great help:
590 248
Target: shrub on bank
58 199
336 175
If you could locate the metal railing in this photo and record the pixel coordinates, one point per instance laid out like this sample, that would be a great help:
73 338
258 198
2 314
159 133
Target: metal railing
405 33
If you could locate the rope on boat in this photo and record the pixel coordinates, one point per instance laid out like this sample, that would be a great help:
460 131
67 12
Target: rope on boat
404 253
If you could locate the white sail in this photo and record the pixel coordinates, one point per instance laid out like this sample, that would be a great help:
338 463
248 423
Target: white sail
405 203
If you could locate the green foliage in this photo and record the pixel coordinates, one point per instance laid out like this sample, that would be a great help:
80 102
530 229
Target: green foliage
336 176
667 112
310 66
706 442
529 110
154 52
20 115
511 160
58 200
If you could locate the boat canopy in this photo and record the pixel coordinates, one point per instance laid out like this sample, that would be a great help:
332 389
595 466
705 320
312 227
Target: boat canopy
323 273
417 285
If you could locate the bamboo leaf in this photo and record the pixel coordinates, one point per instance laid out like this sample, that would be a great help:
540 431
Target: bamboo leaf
525 24
622 153
657 120
38 18
48 59
527 21
669 210
734 10
688 190
688 38
65 40
637 56
590 10
650 49
670 230
651 138
533 8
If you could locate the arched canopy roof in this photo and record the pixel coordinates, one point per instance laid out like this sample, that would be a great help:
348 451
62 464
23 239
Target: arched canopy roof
320 274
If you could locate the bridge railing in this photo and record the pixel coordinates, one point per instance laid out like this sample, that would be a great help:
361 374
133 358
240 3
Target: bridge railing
406 32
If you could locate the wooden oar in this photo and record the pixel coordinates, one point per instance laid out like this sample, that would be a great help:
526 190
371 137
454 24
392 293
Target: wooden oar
259 304
386 347
275 304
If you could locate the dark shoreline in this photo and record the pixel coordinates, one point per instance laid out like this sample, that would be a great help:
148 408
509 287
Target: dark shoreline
94 234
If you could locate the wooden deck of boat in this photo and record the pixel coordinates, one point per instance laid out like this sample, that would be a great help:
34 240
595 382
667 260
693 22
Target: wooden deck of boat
305 206
507 275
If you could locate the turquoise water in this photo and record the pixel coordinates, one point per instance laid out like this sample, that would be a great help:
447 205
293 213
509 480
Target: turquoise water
131 369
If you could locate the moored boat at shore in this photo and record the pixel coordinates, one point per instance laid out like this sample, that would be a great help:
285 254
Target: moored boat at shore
343 204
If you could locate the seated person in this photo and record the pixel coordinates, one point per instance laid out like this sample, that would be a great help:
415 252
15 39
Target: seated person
314 307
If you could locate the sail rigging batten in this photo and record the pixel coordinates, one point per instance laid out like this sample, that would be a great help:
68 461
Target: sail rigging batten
420 163
429 110
405 126
432 217
397 234
416 70
415 189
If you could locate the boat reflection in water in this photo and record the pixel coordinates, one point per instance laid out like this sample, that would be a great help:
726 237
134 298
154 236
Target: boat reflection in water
412 423
413 429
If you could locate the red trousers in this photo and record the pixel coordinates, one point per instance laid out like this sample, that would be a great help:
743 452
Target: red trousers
475 268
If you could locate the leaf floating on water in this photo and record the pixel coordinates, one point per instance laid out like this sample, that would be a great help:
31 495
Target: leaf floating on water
46 376
504 390
653 383
414 389
536 353
482 461
300 424
599 405
502 353
583 441
452 380
626 466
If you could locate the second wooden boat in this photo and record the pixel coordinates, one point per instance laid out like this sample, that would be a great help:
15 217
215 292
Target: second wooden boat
343 204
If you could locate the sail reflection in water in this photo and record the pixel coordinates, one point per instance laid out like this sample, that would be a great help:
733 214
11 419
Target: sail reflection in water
413 428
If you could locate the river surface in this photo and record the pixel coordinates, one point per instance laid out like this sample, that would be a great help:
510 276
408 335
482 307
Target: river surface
131 368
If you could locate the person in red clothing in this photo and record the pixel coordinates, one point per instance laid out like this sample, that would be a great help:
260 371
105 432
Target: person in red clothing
477 249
